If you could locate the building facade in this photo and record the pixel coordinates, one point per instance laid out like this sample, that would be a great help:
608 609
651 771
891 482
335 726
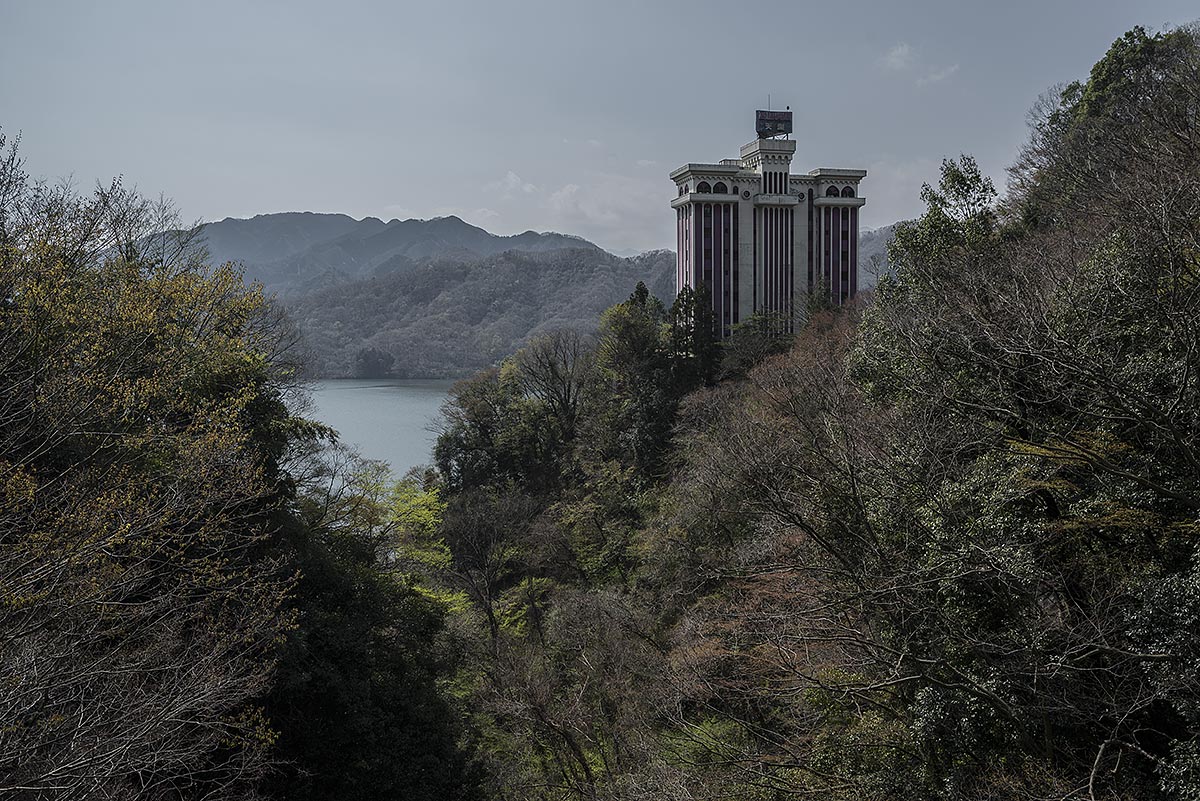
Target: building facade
761 238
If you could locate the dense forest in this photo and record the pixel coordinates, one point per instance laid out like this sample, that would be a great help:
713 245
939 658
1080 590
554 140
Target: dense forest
939 544
448 317
292 253
196 597
413 298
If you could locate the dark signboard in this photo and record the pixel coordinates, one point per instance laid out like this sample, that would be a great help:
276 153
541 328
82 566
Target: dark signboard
772 123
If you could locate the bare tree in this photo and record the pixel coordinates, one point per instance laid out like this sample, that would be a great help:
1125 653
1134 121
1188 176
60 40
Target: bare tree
553 368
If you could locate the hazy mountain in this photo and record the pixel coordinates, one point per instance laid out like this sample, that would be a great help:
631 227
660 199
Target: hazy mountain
439 297
872 254
450 317
301 251
270 237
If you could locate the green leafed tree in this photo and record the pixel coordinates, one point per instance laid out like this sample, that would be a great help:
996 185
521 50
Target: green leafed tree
142 420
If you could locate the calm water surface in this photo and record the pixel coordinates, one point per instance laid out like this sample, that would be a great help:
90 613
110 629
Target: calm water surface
385 418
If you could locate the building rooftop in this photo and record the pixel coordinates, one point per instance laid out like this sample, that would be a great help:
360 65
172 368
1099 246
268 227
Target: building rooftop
837 172
723 168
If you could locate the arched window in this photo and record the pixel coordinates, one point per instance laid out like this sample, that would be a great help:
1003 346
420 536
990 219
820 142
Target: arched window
735 190
719 188
831 192
703 187
847 191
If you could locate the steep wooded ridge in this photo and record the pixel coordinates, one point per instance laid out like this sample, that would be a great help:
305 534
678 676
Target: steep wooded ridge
425 298
437 298
873 262
449 318
296 252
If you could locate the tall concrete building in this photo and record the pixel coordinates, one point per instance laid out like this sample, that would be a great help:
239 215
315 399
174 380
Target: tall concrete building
762 238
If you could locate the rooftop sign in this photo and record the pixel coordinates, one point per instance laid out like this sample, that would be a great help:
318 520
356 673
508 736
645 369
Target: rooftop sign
772 123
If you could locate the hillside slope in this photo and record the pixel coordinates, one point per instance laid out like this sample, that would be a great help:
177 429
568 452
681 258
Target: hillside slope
438 297
298 252
872 254
448 318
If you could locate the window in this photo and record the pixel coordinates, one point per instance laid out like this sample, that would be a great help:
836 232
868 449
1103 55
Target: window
719 188
847 191
831 192
703 187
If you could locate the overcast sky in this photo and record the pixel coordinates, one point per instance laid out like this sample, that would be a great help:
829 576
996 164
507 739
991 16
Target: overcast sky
555 115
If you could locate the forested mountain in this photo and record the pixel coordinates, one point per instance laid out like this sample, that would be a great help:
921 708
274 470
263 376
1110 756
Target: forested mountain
295 252
437 298
449 317
873 261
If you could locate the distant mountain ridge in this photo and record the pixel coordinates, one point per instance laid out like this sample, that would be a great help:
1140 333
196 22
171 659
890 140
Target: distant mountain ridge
439 297
293 252
450 318
872 254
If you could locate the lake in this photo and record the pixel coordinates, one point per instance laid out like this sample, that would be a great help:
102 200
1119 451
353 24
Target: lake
385 418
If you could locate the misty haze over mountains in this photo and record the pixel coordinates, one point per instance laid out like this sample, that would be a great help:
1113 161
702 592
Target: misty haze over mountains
440 297
300 251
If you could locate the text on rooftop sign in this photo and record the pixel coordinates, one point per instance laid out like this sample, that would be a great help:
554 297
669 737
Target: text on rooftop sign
772 123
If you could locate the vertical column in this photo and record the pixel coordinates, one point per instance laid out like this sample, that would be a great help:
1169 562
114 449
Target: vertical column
837 255
678 250
729 303
789 263
781 253
766 271
754 212
853 252
707 253
827 254
735 211
774 260
716 287
777 248
846 255
812 238
766 265
769 241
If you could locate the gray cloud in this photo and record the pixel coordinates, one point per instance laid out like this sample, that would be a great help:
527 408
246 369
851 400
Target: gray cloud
510 185
937 76
899 57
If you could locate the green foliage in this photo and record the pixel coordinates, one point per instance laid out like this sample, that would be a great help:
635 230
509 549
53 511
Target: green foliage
1124 79
373 363
959 216
198 600
941 546
495 435
357 698
695 341
760 337
1138 99
451 316
141 426
417 513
